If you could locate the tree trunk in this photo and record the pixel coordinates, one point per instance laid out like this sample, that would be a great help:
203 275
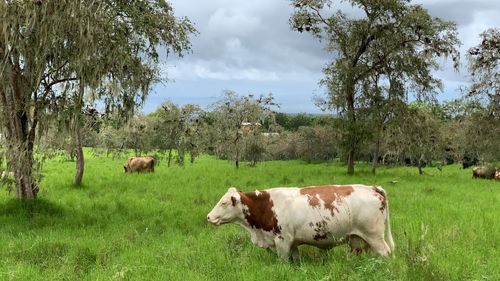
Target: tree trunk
20 133
375 156
236 142
351 126
420 171
80 162
350 161
20 153
237 158
169 157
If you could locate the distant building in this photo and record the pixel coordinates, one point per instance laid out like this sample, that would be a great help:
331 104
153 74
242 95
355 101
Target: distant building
247 127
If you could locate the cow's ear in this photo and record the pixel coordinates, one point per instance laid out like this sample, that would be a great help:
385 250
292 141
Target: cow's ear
233 200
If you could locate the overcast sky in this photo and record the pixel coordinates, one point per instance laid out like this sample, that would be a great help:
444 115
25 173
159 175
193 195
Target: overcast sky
248 47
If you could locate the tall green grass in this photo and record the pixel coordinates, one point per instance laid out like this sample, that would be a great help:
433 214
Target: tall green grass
118 226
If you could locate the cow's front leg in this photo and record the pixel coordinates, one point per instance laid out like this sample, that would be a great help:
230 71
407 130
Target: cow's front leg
283 247
295 254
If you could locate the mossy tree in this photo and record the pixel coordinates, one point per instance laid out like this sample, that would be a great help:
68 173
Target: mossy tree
53 52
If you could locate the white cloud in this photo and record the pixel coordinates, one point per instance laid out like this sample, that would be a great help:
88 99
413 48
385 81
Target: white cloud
233 43
200 70
231 22
251 41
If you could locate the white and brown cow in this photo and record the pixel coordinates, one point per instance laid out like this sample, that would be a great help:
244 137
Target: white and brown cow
281 219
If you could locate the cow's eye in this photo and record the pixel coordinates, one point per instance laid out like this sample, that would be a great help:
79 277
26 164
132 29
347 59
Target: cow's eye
223 204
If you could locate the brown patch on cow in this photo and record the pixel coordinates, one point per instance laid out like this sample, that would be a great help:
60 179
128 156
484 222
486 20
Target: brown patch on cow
320 236
328 193
380 194
260 214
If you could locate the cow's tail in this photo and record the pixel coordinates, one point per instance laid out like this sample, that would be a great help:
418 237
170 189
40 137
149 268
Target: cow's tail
387 221
388 232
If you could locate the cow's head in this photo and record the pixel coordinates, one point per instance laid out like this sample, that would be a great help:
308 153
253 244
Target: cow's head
227 209
126 168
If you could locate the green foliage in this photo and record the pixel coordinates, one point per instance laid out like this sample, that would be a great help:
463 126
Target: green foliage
417 134
318 143
292 122
484 67
153 226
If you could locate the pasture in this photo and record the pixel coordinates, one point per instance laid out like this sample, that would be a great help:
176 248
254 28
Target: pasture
153 226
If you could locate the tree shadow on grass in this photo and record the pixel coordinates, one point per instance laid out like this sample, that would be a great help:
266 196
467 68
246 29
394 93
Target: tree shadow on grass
31 208
23 215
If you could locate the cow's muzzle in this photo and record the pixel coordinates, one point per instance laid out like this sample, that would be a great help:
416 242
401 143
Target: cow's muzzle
214 220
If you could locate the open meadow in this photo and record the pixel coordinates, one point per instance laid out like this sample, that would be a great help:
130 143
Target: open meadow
153 226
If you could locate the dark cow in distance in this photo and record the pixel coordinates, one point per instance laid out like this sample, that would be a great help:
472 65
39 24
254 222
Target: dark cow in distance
469 162
140 164
281 219
483 172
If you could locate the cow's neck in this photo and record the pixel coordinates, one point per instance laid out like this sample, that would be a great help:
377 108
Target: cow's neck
258 211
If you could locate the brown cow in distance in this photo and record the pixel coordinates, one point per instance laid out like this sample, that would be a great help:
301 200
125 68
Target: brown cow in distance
140 164
483 172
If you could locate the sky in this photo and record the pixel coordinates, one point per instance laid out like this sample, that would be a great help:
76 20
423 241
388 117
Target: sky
248 47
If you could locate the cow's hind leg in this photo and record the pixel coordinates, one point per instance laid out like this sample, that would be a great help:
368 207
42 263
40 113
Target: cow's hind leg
357 244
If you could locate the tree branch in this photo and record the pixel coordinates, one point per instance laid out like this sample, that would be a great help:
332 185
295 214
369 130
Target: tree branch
59 81
321 18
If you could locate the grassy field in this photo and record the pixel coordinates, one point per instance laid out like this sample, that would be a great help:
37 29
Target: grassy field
446 226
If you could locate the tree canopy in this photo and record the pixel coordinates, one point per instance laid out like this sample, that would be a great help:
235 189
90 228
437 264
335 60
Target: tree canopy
484 67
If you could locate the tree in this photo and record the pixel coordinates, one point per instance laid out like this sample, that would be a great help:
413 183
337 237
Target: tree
179 128
417 132
169 115
45 63
484 67
317 143
393 42
137 134
190 131
196 130
233 112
